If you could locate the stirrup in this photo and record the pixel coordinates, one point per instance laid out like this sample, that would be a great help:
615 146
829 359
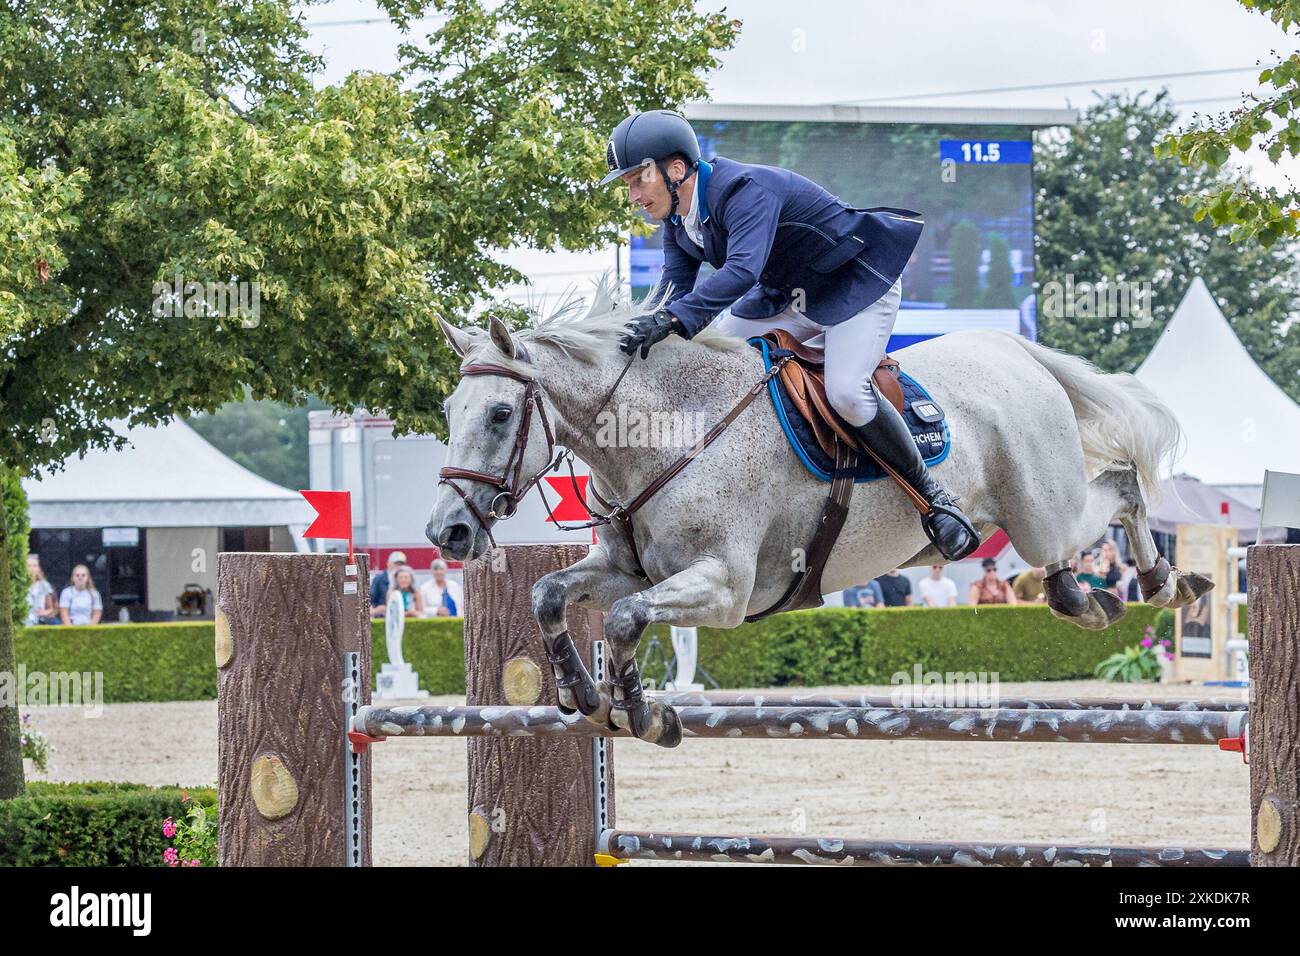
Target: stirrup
946 505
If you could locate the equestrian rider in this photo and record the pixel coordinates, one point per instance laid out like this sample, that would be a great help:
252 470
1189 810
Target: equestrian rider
788 255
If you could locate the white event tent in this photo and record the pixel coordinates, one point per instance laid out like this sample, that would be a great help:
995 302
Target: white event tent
1237 422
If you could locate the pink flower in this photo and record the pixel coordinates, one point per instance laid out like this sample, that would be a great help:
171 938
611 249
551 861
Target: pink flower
170 856
1147 642
169 828
1168 656
192 863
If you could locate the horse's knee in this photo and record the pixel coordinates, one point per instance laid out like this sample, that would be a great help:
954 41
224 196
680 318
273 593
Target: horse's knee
626 620
548 599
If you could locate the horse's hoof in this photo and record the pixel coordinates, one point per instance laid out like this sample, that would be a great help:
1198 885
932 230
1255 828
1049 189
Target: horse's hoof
1103 610
602 715
670 727
566 701
1191 587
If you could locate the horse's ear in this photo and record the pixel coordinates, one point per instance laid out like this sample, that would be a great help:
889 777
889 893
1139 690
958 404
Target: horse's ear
458 339
502 338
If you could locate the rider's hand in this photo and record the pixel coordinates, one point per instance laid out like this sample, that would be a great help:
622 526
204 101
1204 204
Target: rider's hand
645 330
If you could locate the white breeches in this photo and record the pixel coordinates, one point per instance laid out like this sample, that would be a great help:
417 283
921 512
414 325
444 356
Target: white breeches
853 349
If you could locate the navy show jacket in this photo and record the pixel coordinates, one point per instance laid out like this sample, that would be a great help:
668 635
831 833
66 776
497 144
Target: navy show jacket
776 239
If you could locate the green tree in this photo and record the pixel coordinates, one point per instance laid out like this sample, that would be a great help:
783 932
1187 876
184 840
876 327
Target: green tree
964 249
998 292
13 510
1271 121
1107 210
144 145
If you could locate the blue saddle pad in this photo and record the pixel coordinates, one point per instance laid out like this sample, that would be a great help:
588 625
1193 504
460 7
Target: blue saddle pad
932 438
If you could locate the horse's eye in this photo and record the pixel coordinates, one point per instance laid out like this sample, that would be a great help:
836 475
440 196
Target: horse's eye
501 414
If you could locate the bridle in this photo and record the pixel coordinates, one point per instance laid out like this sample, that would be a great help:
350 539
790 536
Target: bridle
513 488
510 481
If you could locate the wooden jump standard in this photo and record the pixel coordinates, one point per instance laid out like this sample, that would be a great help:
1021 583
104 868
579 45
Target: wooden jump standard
293 646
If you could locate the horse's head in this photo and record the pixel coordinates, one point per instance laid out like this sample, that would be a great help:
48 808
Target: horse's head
499 441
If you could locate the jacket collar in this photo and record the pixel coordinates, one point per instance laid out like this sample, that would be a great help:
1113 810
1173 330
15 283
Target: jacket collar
701 193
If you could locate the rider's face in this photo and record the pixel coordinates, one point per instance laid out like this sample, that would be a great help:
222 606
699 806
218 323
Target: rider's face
646 188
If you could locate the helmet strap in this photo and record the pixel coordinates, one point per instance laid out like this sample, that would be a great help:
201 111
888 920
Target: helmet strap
673 186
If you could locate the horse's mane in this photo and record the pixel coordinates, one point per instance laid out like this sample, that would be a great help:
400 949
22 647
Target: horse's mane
589 331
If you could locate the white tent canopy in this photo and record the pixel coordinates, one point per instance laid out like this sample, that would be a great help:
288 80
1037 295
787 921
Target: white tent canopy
166 477
1237 422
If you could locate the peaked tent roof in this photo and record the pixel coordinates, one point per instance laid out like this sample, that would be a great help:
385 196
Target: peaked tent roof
165 477
1237 422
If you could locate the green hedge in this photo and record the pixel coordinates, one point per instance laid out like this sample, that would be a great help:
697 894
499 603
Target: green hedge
842 646
826 647
90 824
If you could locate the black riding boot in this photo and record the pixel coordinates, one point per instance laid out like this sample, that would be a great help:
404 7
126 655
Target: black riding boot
947 527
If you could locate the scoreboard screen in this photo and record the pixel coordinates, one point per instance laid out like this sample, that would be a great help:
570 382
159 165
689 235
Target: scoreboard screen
974 265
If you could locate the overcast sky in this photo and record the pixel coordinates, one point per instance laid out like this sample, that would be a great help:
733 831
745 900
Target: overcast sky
841 51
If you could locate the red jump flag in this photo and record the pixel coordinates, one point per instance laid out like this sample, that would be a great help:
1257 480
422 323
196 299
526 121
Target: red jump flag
334 516
572 504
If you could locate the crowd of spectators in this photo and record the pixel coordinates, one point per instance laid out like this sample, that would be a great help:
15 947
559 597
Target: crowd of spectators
439 596
78 603
1100 569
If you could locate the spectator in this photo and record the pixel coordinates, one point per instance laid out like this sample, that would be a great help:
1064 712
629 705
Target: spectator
380 583
865 595
442 596
80 603
1029 586
1128 588
403 579
897 590
989 589
41 608
1087 573
1110 567
937 590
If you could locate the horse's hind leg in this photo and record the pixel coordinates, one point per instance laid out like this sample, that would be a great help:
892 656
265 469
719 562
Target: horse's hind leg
1161 584
705 593
1050 542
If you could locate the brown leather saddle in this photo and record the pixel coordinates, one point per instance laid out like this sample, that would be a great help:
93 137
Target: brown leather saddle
805 383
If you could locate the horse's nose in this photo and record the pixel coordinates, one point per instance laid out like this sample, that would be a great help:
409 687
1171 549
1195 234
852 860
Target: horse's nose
454 540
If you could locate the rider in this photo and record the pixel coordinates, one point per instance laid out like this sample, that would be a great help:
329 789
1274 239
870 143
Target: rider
788 255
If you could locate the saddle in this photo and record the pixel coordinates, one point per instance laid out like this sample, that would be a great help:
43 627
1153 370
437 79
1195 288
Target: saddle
804 379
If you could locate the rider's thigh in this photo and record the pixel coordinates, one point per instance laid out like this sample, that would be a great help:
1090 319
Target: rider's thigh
854 348
796 323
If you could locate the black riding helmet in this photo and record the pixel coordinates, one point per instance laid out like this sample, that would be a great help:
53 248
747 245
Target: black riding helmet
652 136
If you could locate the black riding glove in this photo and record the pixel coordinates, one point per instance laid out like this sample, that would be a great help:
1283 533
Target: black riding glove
645 330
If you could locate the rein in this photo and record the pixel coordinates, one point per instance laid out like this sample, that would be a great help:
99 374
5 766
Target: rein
513 490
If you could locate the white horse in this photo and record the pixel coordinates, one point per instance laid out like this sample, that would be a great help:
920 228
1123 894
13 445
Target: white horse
1044 446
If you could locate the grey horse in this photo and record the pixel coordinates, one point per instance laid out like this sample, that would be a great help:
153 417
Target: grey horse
1045 447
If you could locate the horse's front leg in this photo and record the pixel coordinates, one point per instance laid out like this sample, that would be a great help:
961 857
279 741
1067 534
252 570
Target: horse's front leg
706 593
593 582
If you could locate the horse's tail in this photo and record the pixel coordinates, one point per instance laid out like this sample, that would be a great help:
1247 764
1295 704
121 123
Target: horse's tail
1122 424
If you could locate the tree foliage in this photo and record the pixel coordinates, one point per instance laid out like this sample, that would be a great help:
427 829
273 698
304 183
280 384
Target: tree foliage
1272 121
1108 210
144 142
